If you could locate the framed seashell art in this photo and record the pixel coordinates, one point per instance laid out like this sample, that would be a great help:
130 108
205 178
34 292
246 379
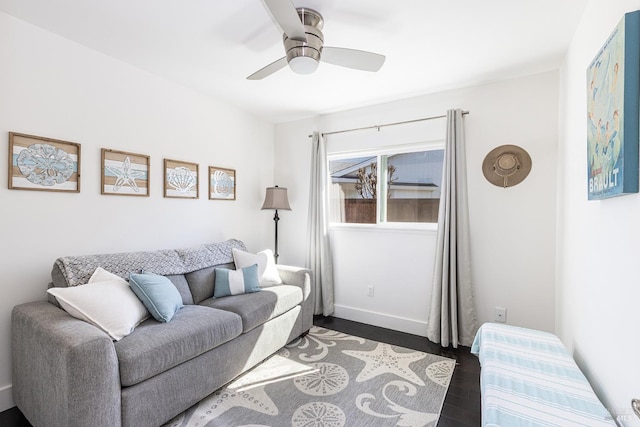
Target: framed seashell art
222 183
45 164
180 179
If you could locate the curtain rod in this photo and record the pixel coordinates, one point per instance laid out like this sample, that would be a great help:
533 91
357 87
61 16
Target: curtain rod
388 124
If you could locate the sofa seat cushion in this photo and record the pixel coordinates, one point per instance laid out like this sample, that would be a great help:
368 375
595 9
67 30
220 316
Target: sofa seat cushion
154 347
258 307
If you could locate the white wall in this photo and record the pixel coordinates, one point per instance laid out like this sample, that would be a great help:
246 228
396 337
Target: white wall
512 230
598 292
55 88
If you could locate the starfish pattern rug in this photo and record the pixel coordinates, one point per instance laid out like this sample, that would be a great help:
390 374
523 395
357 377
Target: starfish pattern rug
330 379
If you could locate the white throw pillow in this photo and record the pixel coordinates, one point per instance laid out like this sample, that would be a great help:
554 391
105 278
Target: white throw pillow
102 275
267 271
108 304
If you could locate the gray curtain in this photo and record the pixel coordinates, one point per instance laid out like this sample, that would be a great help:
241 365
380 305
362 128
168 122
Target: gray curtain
452 319
319 250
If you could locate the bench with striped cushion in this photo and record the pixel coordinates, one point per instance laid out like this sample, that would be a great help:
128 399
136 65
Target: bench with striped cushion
528 378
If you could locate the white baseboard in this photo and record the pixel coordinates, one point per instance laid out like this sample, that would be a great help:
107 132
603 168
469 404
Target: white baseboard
6 398
396 323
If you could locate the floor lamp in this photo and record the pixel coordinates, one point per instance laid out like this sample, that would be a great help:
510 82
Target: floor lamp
276 198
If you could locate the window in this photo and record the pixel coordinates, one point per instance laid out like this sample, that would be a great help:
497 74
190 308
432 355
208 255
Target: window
399 186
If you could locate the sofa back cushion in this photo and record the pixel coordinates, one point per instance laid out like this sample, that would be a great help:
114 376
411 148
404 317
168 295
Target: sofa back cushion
201 282
182 286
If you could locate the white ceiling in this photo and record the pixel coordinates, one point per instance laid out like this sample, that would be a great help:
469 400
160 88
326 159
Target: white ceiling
213 45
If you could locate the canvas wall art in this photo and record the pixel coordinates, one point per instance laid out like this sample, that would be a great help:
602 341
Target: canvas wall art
45 164
124 173
613 96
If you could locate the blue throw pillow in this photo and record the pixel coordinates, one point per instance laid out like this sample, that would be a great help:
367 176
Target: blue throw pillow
235 282
158 294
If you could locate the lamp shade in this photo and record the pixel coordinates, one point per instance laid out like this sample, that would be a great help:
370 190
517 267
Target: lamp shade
276 198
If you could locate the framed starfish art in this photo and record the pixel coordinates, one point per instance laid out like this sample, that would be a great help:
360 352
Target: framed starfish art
125 174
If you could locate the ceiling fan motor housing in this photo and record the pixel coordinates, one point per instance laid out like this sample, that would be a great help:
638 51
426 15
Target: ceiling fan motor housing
312 48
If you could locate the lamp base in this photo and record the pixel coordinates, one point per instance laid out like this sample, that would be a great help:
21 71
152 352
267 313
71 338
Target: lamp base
276 218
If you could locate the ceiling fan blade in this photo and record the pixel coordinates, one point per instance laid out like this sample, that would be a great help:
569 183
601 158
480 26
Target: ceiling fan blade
285 14
352 58
269 69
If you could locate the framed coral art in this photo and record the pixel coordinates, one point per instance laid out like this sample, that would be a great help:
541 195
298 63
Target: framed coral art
45 164
125 174
222 183
180 179
613 101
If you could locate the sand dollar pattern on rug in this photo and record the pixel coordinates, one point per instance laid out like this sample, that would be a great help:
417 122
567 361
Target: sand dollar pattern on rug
440 372
325 380
318 414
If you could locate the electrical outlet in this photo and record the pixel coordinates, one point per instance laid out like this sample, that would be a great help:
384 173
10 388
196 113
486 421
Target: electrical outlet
370 291
501 314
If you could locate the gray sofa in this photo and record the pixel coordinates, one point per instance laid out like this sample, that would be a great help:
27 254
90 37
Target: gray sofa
67 372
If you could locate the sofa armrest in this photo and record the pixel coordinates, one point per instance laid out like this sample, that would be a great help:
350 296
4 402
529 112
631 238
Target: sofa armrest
65 370
301 277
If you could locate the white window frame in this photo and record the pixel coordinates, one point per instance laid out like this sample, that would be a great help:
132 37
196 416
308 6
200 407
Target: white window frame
382 189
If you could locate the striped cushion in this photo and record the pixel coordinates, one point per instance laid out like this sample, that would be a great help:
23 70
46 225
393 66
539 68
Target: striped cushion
235 282
528 378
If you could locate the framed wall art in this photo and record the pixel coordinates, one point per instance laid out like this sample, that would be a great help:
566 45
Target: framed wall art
180 179
613 99
45 164
124 173
222 183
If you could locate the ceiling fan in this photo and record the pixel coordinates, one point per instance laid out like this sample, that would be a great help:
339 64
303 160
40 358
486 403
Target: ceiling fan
304 44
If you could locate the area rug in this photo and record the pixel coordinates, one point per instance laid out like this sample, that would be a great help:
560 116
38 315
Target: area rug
330 379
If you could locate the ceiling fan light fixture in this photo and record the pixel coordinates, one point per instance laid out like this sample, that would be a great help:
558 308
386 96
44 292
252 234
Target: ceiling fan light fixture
303 65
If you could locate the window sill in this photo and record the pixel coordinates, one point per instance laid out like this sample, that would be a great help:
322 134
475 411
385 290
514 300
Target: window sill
426 228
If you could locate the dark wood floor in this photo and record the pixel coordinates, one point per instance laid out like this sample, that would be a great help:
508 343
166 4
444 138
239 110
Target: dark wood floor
13 418
461 406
